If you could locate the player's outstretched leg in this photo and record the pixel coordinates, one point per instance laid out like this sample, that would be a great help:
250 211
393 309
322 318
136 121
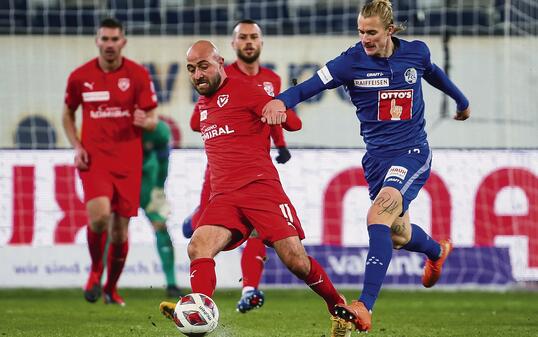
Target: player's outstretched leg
96 246
377 263
292 253
433 268
252 263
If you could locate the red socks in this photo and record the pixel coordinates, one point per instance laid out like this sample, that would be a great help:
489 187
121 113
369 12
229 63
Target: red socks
318 281
117 254
203 278
252 262
96 246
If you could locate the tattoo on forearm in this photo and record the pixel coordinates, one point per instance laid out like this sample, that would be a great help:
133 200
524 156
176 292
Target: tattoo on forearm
386 204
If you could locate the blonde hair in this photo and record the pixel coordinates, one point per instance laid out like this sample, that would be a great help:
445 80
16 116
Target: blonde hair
383 9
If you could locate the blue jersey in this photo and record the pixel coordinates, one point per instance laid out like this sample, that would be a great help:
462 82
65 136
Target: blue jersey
387 93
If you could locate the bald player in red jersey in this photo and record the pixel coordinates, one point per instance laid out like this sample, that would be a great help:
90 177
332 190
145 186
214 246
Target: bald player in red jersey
246 193
247 42
118 102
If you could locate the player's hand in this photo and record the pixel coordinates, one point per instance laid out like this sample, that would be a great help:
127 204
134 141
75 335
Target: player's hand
81 158
140 118
158 203
274 112
463 115
283 155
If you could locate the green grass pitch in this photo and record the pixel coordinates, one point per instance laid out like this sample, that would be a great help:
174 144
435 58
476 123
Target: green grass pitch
286 313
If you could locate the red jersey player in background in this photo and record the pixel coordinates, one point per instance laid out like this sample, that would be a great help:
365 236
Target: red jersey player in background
118 101
246 193
247 42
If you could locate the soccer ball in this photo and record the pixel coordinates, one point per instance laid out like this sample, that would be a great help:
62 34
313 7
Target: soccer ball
196 315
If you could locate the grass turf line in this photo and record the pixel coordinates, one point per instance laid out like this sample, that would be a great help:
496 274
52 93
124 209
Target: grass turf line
286 313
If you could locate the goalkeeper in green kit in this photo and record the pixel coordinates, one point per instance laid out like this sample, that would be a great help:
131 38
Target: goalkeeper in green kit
156 147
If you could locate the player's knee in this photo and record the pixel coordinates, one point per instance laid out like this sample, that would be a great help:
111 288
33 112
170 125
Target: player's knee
100 222
199 248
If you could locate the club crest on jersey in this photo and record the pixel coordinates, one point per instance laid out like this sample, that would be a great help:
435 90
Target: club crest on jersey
269 89
203 115
410 75
124 83
222 100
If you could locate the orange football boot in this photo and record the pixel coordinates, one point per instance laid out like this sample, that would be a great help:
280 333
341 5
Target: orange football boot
432 269
356 313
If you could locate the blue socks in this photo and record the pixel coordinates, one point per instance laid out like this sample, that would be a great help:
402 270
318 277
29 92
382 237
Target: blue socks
377 263
423 243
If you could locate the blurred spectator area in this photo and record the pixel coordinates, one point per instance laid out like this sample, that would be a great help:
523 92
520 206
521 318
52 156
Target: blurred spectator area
216 17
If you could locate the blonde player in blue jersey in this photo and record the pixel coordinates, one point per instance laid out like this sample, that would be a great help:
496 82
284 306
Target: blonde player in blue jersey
383 76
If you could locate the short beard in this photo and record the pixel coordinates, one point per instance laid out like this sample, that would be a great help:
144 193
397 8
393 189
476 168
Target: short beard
212 88
248 59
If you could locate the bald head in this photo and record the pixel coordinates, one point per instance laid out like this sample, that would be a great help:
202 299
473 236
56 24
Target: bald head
204 49
205 67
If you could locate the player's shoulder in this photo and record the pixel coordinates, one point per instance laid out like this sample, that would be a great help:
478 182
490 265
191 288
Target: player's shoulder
133 65
414 45
85 68
239 83
353 54
243 87
269 73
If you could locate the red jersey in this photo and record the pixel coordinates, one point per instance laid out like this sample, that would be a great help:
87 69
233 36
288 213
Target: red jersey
108 101
270 82
236 141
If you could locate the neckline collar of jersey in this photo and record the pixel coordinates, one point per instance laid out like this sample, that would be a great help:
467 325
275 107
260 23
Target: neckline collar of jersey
109 72
236 66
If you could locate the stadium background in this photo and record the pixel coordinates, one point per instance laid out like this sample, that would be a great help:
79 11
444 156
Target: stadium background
483 192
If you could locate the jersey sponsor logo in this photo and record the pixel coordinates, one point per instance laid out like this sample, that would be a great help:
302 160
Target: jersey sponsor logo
371 82
124 83
88 85
269 89
410 75
398 172
203 115
96 96
109 112
222 100
395 105
325 75
378 74
216 131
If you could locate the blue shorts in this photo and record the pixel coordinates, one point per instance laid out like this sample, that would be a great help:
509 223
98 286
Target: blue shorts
406 172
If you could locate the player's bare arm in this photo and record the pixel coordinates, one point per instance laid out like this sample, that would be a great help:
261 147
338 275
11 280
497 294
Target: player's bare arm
274 112
146 120
463 115
81 156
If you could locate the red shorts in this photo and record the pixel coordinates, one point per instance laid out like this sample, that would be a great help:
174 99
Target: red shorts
122 190
262 205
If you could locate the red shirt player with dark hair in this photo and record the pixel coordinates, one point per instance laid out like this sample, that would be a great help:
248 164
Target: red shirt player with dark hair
246 193
118 101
